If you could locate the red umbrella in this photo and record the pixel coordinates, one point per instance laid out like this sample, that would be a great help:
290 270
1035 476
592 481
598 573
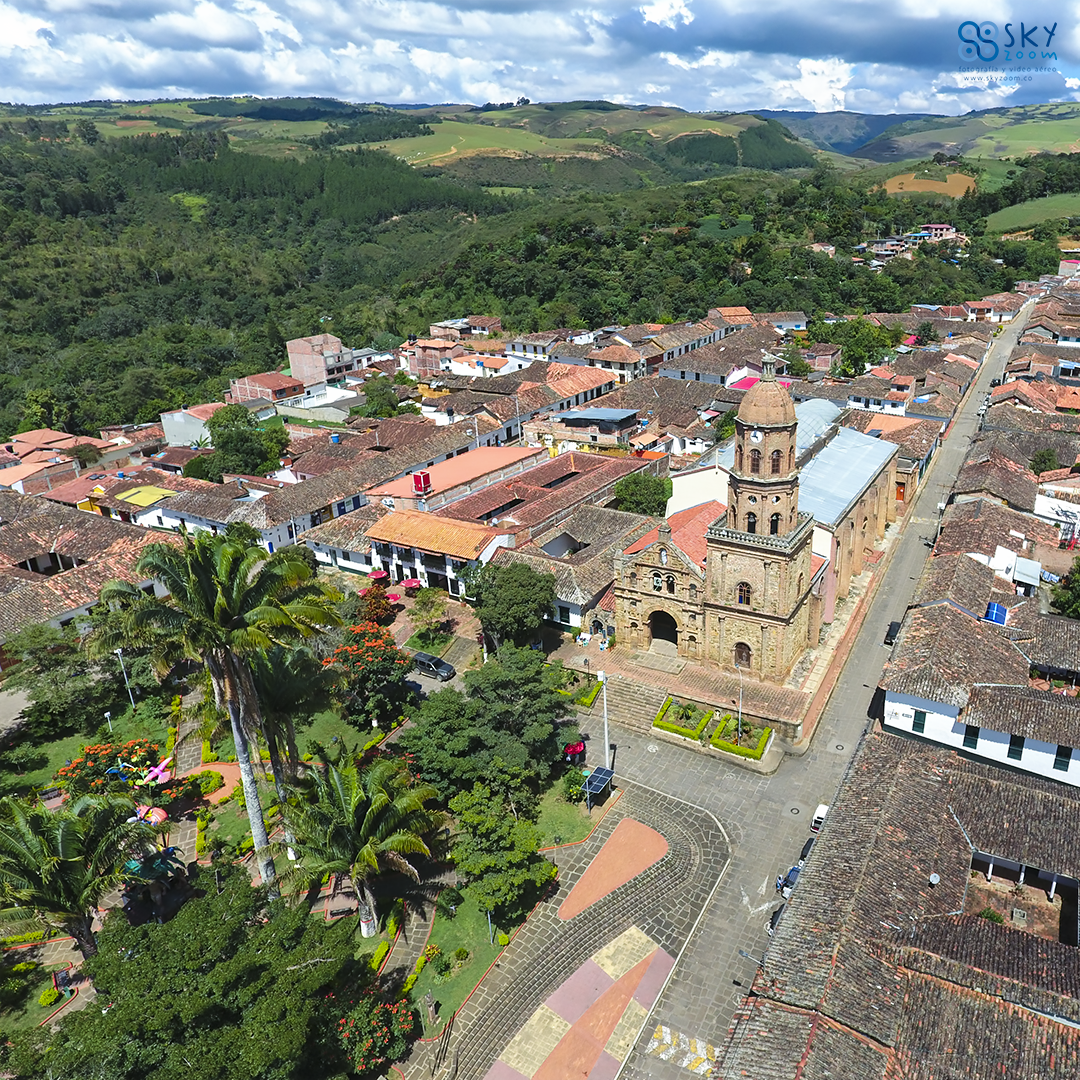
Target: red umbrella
412 583
393 597
378 575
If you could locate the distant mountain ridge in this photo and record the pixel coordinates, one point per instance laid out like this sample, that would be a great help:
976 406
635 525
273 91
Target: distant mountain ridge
842 132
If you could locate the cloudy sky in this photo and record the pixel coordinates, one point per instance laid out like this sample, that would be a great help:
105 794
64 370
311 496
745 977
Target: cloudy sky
862 55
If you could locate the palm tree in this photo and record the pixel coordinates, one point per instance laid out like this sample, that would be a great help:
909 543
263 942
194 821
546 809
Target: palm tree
58 865
227 602
361 823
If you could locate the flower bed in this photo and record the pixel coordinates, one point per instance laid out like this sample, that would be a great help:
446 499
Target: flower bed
699 719
108 766
757 739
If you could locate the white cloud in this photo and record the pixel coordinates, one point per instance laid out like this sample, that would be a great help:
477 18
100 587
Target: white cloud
667 13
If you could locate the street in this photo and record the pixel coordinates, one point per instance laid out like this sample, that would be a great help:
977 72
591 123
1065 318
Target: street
767 818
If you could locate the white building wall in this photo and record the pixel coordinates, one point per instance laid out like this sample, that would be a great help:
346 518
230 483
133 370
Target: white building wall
692 487
945 727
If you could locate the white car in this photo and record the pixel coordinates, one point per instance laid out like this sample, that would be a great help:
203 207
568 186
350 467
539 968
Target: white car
819 817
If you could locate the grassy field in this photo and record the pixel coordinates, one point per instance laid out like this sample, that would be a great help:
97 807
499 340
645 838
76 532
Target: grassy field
561 822
468 929
954 185
1032 212
453 138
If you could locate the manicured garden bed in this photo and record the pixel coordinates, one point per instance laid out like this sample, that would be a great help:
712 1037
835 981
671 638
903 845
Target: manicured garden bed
435 643
682 718
27 1012
750 742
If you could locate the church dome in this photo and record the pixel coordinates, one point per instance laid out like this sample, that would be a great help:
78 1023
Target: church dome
767 404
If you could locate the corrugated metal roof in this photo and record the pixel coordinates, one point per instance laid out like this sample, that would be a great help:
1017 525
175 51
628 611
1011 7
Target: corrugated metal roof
834 477
603 415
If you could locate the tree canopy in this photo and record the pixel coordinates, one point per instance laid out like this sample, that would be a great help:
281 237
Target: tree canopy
643 493
512 600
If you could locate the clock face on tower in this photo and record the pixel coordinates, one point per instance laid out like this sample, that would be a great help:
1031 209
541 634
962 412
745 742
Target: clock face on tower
755 436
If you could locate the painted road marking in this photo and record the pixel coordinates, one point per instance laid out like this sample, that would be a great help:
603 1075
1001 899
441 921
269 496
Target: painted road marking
695 1055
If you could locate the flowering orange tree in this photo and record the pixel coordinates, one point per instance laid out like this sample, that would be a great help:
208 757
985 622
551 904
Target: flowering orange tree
90 771
372 685
374 1032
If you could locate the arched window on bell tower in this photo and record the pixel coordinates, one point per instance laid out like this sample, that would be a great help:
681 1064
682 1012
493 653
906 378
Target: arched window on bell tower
755 462
751 523
774 525
791 458
777 462
738 459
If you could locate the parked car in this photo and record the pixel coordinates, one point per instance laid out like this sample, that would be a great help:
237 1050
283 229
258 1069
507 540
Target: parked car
819 817
893 630
774 918
785 883
433 667
805 853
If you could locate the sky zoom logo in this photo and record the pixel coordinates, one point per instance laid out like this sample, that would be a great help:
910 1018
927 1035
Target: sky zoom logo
980 42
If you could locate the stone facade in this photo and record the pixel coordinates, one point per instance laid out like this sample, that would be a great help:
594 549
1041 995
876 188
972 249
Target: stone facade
742 596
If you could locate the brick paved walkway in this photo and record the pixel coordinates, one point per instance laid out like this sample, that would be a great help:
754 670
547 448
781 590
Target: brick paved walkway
664 902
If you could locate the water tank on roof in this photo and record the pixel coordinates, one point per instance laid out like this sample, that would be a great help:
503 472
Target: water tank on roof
995 613
335 438
421 482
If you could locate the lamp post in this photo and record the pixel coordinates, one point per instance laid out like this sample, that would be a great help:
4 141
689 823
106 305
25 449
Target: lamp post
738 730
607 739
131 696
108 718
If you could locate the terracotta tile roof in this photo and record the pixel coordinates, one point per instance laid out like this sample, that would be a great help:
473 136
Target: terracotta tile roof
433 534
941 653
962 581
994 474
462 469
981 526
873 973
348 531
1046 715
688 528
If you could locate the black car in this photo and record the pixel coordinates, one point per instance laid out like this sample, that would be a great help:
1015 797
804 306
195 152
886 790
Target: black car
774 918
433 667
890 634
805 853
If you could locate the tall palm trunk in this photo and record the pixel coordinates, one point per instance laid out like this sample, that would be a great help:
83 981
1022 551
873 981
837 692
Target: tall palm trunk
365 903
223 674
81 929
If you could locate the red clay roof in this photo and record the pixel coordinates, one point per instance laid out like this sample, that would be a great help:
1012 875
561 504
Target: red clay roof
462 469
437 535
687 531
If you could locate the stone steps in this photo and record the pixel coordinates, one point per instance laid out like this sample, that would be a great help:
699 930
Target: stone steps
631 704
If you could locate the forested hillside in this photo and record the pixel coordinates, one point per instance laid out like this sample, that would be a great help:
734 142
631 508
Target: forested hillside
142 273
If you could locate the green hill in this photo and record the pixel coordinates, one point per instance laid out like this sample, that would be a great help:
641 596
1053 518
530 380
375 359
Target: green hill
1024 215
993 133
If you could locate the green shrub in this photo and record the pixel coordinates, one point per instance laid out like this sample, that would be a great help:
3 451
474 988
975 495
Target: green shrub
443 964
210 781
393 920
663 711
992 915
409 983
49 996
503 940
589 696
11 990
207 752
573 785
753 752
22 939
448 901
170 741
461 954
25 967
379 955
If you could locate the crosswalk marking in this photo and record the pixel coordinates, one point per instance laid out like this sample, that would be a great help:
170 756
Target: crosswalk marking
695 1055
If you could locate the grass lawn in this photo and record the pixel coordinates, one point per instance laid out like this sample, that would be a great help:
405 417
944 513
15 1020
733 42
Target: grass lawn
467 929
434 643
325 726
561 822
27 1013
1029 213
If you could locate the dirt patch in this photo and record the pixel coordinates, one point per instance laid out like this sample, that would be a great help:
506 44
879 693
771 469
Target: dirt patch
1042 917
954 185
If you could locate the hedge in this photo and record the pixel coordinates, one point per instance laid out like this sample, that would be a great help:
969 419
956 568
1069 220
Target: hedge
22 939
170 741
379 955
209 781
207 752
753 752
590 695
678 729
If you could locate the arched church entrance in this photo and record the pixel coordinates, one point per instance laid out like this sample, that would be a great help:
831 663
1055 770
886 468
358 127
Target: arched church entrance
665 633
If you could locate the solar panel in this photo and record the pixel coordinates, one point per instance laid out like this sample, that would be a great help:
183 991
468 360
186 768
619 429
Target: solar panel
597 780
996 613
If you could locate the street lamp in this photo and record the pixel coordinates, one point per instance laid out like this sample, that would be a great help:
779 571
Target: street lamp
750 956
131 696
108 718
607 739
738 730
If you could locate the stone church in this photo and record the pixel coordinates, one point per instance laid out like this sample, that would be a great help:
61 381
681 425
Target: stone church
737 589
